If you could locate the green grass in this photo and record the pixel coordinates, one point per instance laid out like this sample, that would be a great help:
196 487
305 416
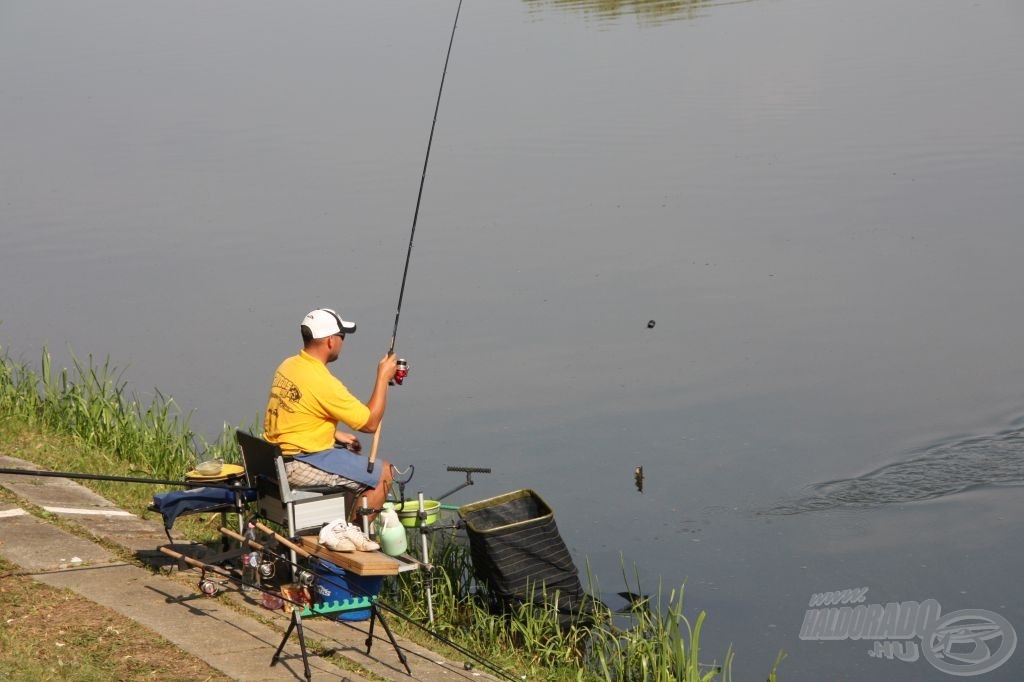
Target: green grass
89 403
82 419
95 426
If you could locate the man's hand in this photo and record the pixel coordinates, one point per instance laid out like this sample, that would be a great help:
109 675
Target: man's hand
348 440
386 368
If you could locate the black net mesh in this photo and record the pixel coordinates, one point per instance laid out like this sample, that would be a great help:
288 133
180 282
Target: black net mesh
518 553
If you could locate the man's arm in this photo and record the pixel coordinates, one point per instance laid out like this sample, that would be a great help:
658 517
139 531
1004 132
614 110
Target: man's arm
379 398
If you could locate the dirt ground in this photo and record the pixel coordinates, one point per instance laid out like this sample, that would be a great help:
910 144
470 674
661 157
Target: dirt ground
52 634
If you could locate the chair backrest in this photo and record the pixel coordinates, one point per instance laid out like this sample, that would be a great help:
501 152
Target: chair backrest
296 510
260 458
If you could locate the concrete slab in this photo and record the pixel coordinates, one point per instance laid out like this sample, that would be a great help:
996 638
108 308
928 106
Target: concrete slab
231 632
39 546
230 640
45 491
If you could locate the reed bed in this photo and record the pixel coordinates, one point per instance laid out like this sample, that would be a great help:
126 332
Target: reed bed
652 642
92 424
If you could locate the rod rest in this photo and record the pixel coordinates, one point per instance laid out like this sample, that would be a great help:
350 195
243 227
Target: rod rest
471 470
353 604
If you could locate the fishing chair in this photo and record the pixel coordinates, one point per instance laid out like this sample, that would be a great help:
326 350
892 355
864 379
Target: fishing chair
301 511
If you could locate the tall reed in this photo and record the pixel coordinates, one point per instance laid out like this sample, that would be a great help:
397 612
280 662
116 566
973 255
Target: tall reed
89 402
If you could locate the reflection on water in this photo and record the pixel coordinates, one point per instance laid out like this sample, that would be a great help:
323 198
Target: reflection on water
784 186
647 12
942 469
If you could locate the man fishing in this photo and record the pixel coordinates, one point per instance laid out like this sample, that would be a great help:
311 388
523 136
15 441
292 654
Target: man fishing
307 405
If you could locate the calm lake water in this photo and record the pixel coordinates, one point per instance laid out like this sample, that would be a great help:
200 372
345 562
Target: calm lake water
817 202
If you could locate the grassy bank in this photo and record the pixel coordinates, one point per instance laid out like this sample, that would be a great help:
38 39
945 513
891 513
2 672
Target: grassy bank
82 419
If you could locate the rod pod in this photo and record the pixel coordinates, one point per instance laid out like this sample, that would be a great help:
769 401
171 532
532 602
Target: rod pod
286 542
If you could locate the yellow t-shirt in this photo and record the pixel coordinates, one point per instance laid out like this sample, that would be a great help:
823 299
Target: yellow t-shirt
306 404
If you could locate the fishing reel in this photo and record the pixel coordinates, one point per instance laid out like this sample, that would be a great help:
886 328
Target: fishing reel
266 569
305 578
208 586
401 372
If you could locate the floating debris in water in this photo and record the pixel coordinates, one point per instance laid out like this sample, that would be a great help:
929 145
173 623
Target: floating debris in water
650 324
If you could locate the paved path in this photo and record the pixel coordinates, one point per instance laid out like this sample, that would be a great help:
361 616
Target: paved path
228 637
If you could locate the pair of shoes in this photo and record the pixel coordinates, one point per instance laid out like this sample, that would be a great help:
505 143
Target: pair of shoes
360 541
334 536
341 536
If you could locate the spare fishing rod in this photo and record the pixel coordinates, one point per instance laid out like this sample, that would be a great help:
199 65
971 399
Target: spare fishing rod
210 588
197 483
402 369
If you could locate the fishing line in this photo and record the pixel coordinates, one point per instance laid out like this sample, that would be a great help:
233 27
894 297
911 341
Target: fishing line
403 368
423 177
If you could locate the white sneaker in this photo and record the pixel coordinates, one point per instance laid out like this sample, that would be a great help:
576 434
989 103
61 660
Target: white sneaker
359 540
334 536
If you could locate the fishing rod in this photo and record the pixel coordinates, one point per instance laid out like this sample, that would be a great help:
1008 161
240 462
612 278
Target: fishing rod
403 367
359 591
117 479
210 588
423 177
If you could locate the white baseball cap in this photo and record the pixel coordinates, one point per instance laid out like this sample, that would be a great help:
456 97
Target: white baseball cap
324 322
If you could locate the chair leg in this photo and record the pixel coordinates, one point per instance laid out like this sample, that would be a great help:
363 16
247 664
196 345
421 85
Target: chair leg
295 624
287 634
293 557
369 635
375 614
225 541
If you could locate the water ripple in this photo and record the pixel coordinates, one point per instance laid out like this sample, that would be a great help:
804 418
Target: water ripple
647 12
946 468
